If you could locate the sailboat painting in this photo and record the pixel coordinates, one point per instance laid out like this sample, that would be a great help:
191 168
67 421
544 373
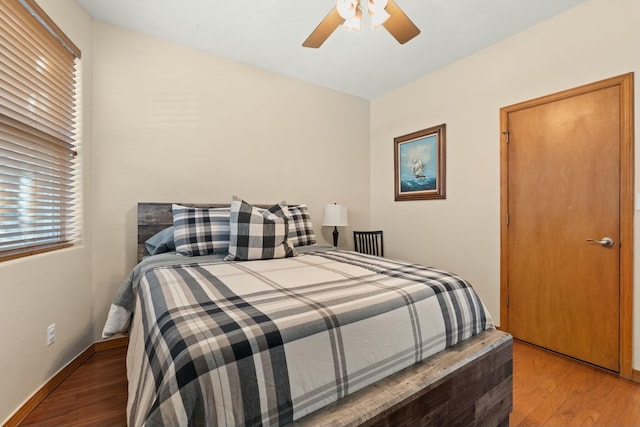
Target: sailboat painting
420 165
417 168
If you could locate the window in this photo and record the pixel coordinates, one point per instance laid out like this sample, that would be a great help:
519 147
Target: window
37 132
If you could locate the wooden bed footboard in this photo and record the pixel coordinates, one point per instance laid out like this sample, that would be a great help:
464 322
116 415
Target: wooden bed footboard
469 384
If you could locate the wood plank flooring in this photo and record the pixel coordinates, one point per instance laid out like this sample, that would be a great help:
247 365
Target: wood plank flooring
549 390
94 395
553 390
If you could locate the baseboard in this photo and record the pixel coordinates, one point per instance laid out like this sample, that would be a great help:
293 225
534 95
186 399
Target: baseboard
21 413
108 344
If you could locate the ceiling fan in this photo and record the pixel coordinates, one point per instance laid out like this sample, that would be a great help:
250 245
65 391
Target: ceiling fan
349 14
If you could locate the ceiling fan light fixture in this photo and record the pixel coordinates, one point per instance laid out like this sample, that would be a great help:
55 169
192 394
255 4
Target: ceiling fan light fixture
378 18
349 14
376 6
353 24
347 8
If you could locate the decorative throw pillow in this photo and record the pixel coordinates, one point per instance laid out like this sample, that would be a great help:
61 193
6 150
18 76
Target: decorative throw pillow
258 233
300 226
200 231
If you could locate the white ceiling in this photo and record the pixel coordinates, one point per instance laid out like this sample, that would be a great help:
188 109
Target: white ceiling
269 35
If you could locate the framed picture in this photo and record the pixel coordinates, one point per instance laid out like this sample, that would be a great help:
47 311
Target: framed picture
420 164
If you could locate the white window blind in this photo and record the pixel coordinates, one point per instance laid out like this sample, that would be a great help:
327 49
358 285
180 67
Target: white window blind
37 132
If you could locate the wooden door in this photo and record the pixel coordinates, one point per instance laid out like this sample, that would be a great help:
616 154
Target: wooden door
562 169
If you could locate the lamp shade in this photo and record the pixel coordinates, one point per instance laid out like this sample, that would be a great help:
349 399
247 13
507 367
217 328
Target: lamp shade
376 6
347 8
353 24
335 215
378 18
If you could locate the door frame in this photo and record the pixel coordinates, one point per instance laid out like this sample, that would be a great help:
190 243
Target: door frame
625 84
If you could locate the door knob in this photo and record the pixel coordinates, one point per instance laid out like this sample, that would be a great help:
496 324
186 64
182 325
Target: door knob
607 242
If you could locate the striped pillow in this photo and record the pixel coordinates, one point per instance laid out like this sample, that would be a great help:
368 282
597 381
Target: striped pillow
300 226
200 231
258 233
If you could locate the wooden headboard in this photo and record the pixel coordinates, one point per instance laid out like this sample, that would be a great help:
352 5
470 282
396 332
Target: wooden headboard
155 217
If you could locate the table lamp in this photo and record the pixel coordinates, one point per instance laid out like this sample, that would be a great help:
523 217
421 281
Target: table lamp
336 216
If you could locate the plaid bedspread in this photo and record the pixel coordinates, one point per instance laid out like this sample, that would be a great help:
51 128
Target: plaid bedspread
267 342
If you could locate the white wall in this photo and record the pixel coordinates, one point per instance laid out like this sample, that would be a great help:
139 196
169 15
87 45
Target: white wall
52 287
591 42
172 123
177 124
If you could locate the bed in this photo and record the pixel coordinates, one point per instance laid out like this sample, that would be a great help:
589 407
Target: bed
295 340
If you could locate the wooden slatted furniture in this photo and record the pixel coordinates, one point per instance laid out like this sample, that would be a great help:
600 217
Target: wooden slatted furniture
369 242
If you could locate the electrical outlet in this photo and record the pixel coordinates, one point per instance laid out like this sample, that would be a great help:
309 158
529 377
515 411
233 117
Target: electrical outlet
51 334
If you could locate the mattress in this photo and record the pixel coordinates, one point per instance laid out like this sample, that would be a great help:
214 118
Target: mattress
267 342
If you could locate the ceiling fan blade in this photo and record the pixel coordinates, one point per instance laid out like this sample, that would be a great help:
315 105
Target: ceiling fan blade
399 24
322 32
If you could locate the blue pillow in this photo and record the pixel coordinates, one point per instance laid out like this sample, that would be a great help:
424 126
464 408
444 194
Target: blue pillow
161 242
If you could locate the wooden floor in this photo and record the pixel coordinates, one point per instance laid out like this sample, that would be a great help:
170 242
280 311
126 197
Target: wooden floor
94 395
548 390
552 390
